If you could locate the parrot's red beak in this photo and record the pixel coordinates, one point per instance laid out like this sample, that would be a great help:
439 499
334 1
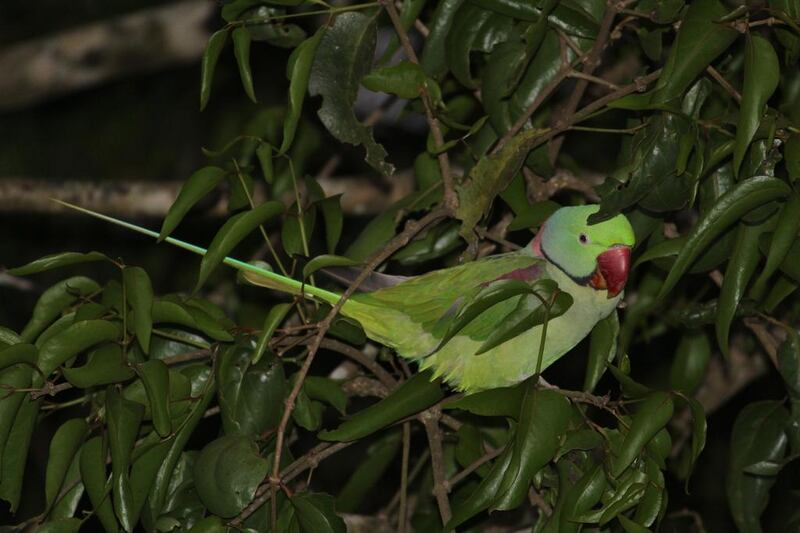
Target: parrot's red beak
613 267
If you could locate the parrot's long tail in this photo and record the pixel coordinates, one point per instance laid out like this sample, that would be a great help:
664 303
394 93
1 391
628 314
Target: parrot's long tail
253 274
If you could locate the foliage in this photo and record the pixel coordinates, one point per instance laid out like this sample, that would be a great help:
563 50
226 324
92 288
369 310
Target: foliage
176 418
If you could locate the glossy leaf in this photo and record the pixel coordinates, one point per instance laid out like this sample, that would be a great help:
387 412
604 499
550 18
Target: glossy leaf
532 310
18 353
232 233
273 319
405 79
227 473
503 401
691 362
155 377
786 229
93 475
758 435
741 267
316 512
250 394
139 293
761 75
196 187
744 197
241 49
50 262
73 340
66 443
298 71
433 59
326 390
15 453
653 414
334 220
53 301
368 473
543 421
602 349
124 419
414 395
325 261
343 58
209 64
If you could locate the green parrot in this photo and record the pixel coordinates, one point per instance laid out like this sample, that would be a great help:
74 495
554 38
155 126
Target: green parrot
410 314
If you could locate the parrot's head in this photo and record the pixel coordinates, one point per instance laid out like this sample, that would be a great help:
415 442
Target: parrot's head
597 255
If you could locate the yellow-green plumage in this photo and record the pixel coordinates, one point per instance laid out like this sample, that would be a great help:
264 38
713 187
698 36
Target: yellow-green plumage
411 316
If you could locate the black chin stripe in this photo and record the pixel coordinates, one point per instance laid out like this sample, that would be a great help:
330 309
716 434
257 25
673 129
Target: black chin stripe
580 280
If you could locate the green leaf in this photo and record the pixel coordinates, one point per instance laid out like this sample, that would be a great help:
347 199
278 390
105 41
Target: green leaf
326 390
264 155
405 79
691 361
197 186
298 71
474 30
602 349
542 424
93 475
209 64
63 448
106 365
480 498
325 261
155 377
307 413
786 230
53 301
316 513
700 40
741 267
18 353
411 397
227 474
63 525
241 49
295 237
503 401
433 61
470 448
71 495
368 473
176 311
758 435
124 418
8 336
50 262
250 394
342 59
334 220
744 197
485 298
235 229
531 311
761 76
73 340
489 177
18 377
791 154
534 215
139 293
203 387
789 363
273 319
15 453
436 242
653 414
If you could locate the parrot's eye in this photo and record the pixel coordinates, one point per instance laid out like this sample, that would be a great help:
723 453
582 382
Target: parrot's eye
583 238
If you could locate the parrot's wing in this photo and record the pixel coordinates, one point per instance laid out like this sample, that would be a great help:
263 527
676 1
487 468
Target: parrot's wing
374 282
409 316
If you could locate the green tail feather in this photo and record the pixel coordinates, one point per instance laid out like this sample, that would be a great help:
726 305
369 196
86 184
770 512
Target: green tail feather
253 274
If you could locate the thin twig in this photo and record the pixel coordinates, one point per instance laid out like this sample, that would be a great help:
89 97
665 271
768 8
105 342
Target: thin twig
411 230
403 511
449 197
476 464
430 419
590 64
719 78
